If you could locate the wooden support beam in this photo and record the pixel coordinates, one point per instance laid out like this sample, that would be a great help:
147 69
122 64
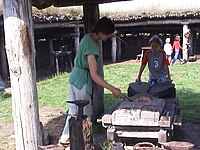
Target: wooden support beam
76 38
71 24
192 41
119 49
114 49
20 48
91 16
159 22
185 41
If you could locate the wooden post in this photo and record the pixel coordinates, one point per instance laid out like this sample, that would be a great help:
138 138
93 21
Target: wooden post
191 42
76 38
114 49
4 61
185 41
80 133
91 16
20 50
51 54
119 49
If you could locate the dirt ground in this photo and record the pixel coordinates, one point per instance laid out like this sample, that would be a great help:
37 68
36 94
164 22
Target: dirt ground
53 123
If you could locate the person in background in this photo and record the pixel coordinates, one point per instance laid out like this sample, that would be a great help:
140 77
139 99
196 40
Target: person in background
85 72
157 63
168 50
177 48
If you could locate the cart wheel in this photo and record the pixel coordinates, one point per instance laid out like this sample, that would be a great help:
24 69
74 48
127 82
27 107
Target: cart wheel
164 136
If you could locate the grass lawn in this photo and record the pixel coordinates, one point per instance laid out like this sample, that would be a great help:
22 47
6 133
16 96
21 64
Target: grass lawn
53 91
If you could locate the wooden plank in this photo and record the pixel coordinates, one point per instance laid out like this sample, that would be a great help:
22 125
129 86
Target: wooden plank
71 24
19 39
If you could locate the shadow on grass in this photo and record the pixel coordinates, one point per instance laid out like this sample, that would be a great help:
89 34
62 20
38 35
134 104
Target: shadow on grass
4 95
54 128
190 104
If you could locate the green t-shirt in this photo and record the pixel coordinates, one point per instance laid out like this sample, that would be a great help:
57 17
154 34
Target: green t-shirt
80 74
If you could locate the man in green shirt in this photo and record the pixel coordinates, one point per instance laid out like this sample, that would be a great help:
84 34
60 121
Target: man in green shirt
85 71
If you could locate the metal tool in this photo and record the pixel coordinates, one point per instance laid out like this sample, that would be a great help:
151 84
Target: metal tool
81 104
126 98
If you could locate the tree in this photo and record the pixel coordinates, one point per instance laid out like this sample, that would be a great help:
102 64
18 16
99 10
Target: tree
20 49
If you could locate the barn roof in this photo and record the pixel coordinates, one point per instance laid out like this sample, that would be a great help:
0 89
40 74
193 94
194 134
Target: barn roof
51 18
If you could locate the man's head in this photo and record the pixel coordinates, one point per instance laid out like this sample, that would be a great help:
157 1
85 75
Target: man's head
167 40
156 43
104 28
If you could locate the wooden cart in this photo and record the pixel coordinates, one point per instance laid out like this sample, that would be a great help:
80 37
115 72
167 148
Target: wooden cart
143 116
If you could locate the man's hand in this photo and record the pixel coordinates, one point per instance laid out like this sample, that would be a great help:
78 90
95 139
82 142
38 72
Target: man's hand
116 92
138 80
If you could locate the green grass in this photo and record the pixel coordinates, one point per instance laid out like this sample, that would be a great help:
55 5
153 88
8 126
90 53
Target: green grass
5 106
54 91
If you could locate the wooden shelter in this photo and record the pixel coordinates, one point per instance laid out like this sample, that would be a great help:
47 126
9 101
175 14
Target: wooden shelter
20 51
18 27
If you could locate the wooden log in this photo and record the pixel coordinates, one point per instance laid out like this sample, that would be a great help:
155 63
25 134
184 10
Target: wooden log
76 38
19 39
4 61
80 133
114 49
91 16
119 49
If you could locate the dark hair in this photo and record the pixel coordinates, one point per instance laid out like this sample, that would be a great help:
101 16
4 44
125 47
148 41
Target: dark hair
156 39
105 26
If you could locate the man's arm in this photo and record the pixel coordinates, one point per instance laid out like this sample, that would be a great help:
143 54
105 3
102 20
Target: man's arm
142 67
97 79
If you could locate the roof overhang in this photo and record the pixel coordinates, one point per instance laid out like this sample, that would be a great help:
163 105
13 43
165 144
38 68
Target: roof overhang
40 4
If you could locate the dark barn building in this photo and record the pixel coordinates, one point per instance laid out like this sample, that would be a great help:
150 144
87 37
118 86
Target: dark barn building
54 33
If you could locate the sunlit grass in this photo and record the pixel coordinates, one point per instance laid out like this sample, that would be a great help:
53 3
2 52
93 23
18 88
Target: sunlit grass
53 92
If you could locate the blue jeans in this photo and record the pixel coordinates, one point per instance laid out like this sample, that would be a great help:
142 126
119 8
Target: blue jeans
177 56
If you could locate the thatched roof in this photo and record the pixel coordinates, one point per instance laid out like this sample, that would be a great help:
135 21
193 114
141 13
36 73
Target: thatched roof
154 16
48 18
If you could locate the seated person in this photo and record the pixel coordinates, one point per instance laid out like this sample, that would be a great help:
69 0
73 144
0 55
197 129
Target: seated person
157 63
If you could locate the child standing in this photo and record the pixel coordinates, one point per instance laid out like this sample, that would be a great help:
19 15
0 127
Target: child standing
85 71
177 48
168 49
157 63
